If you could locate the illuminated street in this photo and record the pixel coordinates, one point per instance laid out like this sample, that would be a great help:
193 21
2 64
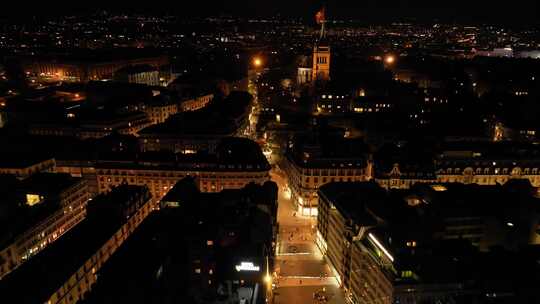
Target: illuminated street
299 265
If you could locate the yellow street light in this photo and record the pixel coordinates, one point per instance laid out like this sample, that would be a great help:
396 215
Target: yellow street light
257 62
389 59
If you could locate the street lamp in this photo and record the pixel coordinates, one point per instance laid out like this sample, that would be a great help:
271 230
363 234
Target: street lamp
390 59
257 62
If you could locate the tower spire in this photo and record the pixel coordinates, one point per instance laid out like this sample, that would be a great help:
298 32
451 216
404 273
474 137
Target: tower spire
320 17
321 50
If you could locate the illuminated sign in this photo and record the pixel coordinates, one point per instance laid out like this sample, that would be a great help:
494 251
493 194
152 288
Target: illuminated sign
247 266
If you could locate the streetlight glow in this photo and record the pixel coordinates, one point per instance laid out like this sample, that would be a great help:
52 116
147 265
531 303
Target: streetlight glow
389 59
257 61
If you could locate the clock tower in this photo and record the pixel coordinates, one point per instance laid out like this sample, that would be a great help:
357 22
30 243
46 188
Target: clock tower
321 51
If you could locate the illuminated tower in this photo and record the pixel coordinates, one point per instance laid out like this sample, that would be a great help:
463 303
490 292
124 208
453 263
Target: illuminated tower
321 51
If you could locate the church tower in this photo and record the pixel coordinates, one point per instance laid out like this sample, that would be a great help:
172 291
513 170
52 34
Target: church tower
321 51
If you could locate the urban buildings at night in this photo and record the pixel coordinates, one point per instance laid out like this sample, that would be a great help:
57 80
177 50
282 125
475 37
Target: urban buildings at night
36 212
67 269
270 152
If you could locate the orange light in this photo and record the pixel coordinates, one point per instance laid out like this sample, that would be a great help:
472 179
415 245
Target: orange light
257 62
390 59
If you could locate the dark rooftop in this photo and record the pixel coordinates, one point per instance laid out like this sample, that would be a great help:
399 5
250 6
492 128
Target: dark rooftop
16 216
361 202
49 183
48 270
22 160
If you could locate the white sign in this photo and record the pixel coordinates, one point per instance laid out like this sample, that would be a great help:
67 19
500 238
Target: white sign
247 266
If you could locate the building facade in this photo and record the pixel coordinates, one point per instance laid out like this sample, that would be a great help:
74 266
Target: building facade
321 62
161 180
158 113
305 178
147 75
69 268
26 168
195 103
129 124
84 70
403 177
71 201
304 75
81 280
488 172
349 241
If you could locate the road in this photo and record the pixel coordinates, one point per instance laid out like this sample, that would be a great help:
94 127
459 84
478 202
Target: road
300 267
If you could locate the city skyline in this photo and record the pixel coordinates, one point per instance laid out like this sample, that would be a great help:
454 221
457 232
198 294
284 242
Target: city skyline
270 153
520 13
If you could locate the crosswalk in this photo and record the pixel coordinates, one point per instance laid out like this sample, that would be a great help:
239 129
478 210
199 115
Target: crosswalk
295 281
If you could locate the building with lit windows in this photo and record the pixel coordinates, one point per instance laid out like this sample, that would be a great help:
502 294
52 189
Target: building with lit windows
235 163
100 125
371 104
195 103
482 163
321 61
488 163
333 103
85 67
504 216
400 167
350 240
455 233
66 270
316 159
37 211
222 249
319 68
403 176
304 75
141 74
160 109
200 130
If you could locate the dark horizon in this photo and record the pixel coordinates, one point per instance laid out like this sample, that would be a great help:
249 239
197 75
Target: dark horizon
521 13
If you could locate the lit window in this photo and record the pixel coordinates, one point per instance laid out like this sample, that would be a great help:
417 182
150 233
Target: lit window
197 270
209 242
411 244
33 199
438 188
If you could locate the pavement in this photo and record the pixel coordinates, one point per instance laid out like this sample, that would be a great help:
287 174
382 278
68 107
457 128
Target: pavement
294 295
300 269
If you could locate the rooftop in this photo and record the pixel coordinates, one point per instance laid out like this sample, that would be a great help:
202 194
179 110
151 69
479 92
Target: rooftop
49 184
17 216
22 160
328 150
48 270
362 202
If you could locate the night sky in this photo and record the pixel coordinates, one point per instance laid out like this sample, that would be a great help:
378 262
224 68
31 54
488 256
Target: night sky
518 12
